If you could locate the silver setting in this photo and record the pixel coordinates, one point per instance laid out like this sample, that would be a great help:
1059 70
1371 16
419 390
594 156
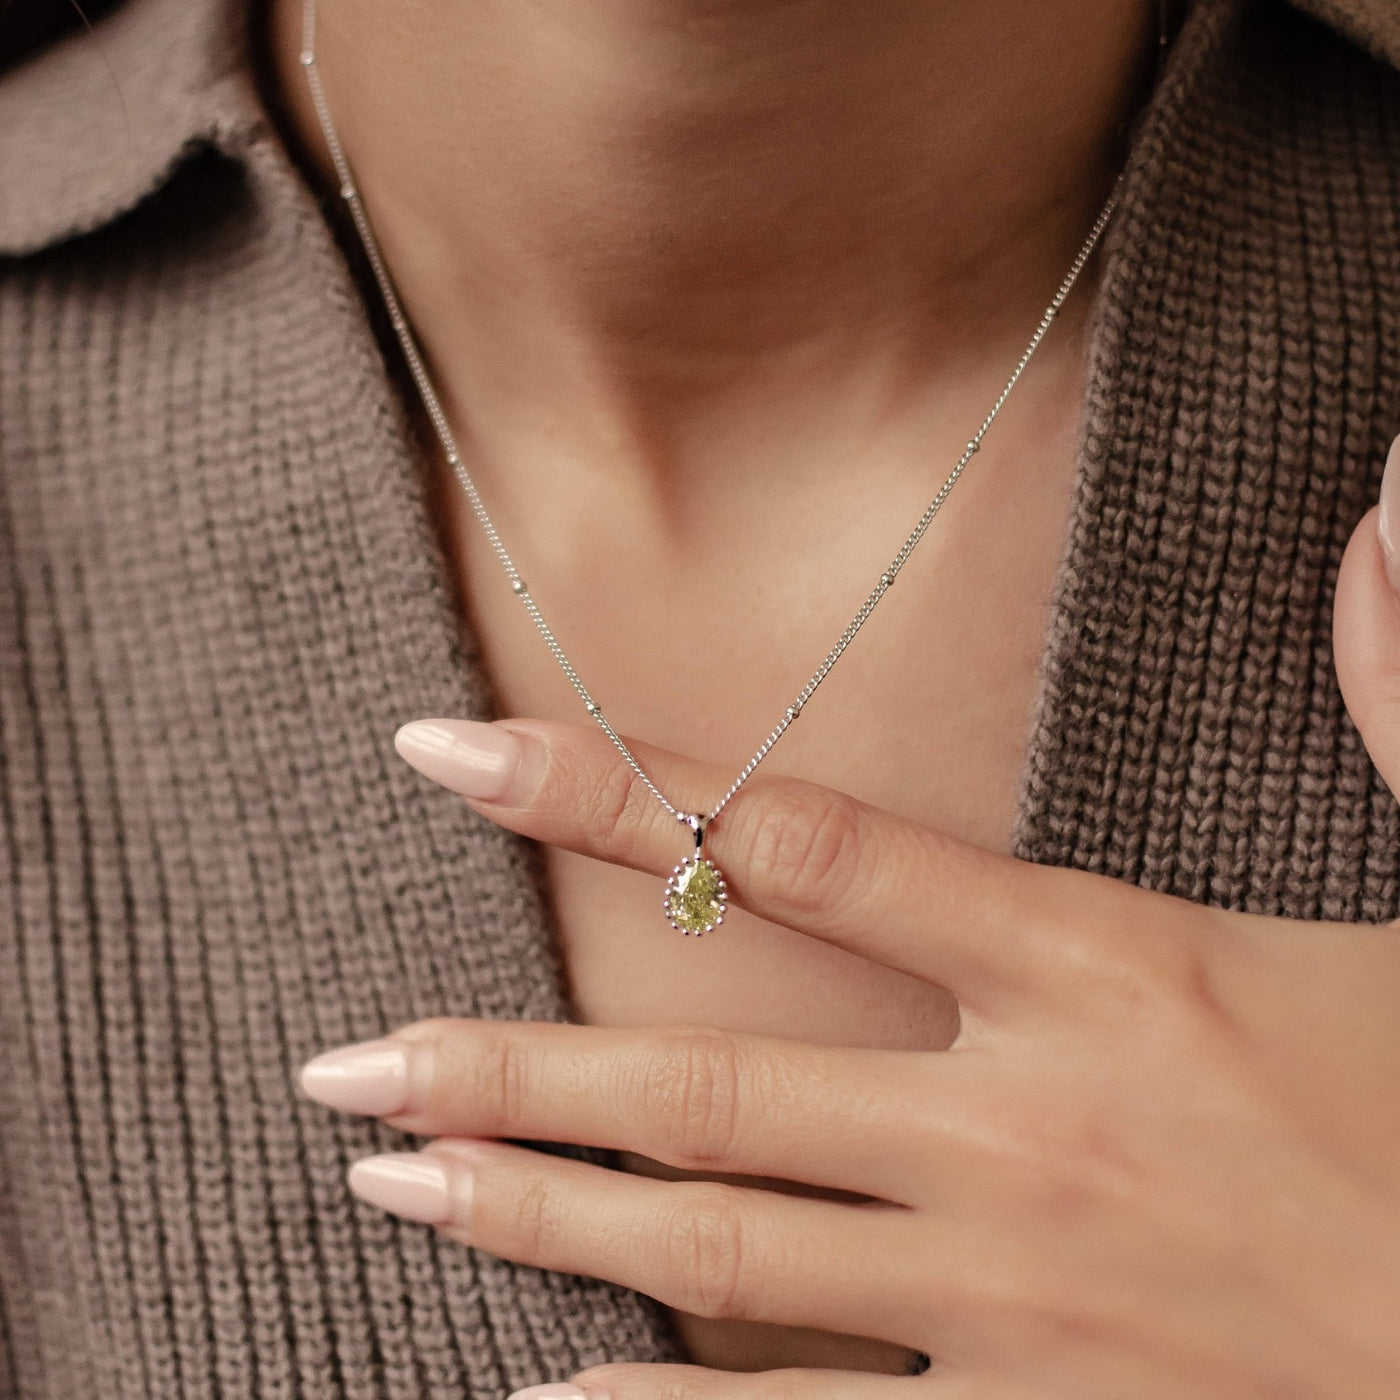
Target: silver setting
673 885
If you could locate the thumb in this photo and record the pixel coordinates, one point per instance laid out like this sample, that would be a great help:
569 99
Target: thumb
1366 626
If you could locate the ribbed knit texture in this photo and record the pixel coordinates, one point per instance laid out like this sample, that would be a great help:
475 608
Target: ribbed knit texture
222 592
1245 380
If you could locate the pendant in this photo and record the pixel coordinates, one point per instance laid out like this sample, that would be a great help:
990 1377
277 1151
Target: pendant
696 895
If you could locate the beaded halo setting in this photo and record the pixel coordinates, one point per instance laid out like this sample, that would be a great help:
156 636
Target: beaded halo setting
696 896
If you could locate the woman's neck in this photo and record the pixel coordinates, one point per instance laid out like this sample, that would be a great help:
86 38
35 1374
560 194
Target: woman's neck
636 211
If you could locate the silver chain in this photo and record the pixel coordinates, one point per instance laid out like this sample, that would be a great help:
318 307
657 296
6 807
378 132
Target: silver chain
698 822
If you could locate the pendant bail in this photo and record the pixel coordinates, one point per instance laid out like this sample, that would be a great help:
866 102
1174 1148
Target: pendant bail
699 823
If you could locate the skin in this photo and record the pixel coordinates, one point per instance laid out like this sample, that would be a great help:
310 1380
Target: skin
648 324
658 229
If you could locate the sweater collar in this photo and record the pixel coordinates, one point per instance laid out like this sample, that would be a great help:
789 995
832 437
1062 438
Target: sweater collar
102 118
98 120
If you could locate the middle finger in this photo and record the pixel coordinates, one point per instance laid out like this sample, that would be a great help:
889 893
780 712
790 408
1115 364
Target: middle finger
877 1122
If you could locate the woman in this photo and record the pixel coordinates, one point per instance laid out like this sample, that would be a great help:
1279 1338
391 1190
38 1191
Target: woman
1047 1047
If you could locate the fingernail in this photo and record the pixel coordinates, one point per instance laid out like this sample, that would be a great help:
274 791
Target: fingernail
1388 521
408 1184
467 755
369 1077
555 1390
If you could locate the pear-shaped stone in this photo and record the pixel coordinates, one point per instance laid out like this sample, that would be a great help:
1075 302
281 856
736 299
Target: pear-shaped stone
695 895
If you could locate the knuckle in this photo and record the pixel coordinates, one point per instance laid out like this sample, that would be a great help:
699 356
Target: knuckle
1200 979
1135 969
807 844
693 1085
535 1219
1167 984
1204 1029
1126 987
618 806
703 1239
1093 1163
500 1069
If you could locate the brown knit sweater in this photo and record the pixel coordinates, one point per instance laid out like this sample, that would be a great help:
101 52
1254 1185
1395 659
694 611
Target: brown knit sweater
220 593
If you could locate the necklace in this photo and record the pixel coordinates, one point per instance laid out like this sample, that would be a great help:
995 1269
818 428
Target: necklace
696 895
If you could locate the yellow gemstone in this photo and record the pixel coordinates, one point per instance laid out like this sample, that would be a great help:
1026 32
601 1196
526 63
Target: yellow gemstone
695 895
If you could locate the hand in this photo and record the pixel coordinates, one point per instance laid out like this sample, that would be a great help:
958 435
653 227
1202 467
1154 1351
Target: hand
1161 1160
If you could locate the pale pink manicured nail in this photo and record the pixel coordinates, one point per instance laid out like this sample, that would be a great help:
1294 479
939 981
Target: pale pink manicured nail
556 1390
1388 521
467 755
370 1077
409 1184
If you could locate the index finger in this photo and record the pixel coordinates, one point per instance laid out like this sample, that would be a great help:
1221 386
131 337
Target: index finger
799 854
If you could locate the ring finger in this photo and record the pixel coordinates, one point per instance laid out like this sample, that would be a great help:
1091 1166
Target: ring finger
707 1248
